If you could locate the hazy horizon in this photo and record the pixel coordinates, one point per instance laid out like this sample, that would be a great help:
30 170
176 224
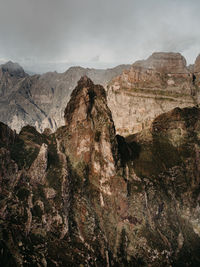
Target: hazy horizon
47 35
61 67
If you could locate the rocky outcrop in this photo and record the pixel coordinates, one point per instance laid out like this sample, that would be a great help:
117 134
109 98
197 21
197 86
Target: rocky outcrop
197 65
40 100
160 70
173 63
84 196
92 138
87 111
164 150
149 88
14 69
10 75
196 76
7 136
39 166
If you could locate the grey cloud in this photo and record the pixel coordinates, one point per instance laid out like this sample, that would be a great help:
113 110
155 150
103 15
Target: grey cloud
42 32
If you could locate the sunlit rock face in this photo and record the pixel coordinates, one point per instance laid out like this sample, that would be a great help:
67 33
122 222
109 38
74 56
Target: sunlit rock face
84 196
160 70
87 116
197 65
173 63
149 88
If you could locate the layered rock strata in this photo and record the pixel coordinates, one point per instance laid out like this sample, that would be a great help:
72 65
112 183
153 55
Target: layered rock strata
149 88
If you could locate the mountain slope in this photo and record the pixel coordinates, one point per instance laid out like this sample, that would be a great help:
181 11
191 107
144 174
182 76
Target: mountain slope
40 100
86 196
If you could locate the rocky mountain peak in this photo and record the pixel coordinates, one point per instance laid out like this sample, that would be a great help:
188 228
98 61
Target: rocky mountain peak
197 64
164 62
162 81
14 69
85 81
82 100
90 127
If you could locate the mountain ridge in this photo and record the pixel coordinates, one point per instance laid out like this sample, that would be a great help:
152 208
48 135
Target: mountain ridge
39 100
86 196
162 81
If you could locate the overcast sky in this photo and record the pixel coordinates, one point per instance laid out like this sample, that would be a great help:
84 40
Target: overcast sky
55 34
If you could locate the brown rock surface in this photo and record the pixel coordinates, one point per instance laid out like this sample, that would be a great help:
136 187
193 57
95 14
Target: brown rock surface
165 62
197 65
100 199
149 88
196 76
92 134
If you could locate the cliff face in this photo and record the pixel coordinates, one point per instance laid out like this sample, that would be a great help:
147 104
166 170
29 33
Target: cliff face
40 100
149 88
197 71
86 196
173 63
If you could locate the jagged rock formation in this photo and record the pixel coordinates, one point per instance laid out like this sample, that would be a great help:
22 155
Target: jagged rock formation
197 71
151 87
40 100
10 74
13 69
92 138
85 196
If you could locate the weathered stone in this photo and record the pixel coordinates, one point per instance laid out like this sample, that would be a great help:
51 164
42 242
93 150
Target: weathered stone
92 198
38 168
197 65
149 88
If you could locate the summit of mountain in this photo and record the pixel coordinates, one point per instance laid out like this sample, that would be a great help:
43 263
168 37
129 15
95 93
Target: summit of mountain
164 62
14 69
150 87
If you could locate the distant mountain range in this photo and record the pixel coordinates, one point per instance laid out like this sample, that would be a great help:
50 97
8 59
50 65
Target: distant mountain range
136 93
39 100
